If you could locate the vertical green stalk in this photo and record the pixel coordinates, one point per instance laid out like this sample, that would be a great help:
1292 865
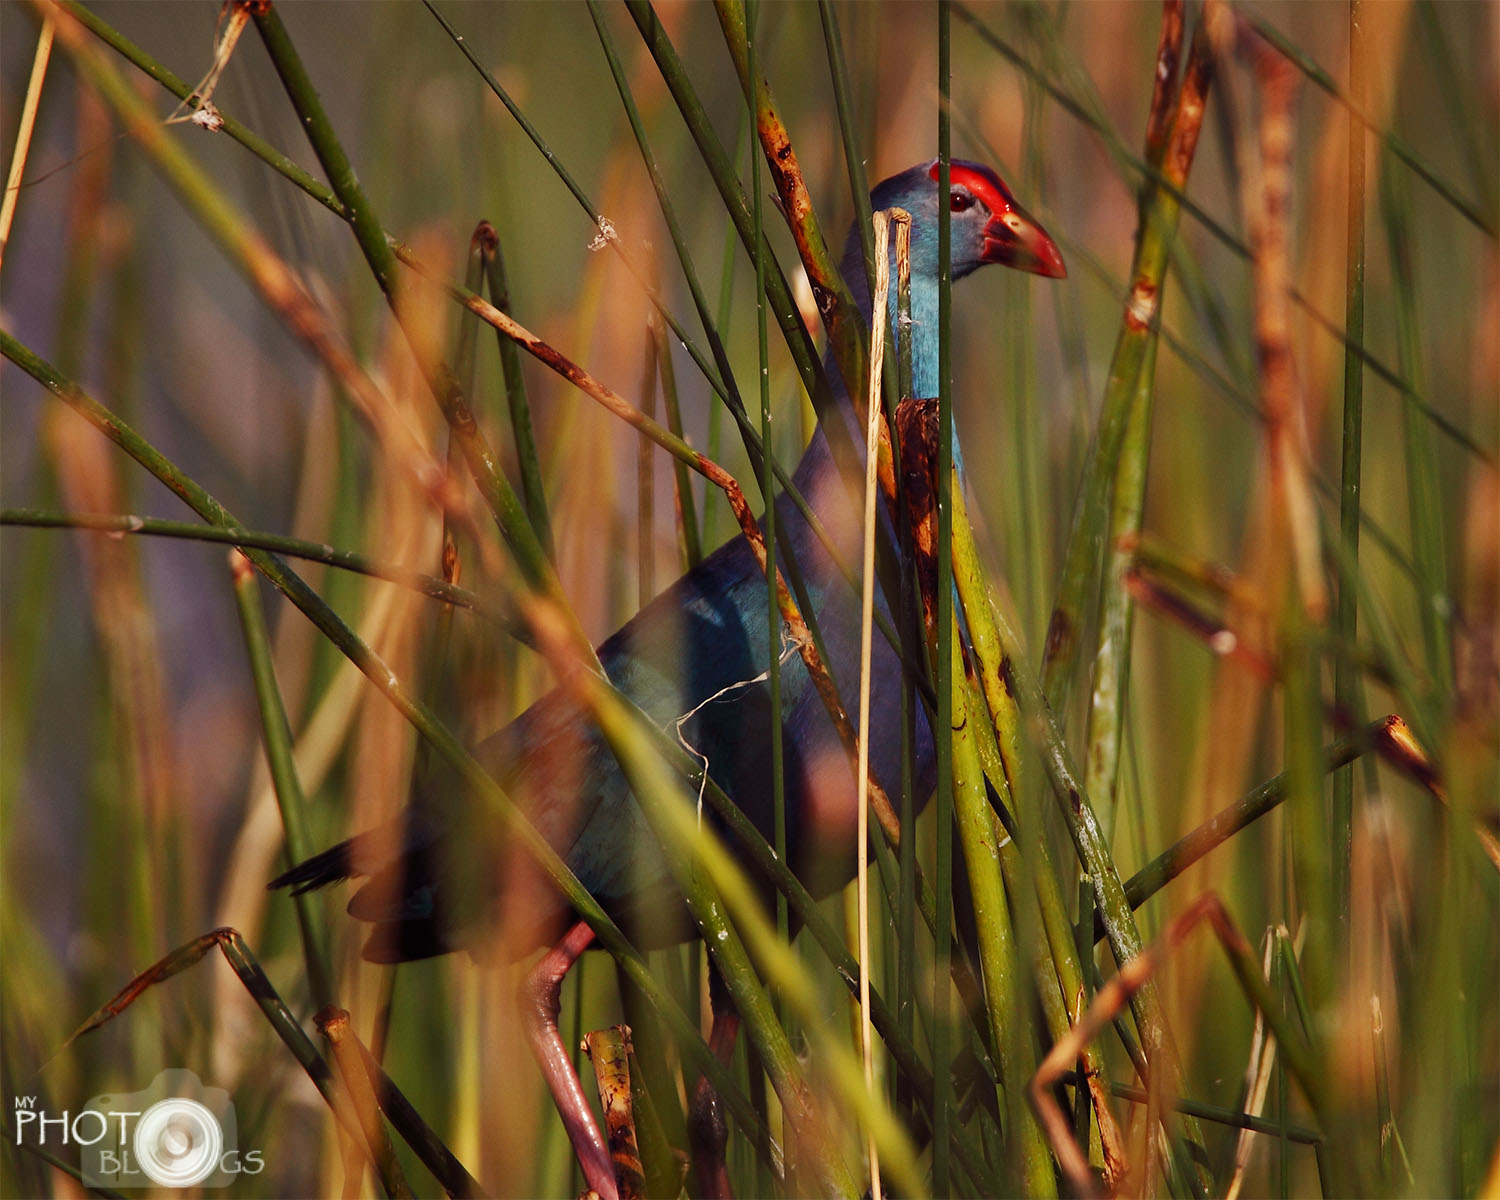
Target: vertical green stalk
1346 614
1160 211
1113 905
1108 711
726 300
688 527
1283 1143
1424 491
859 183
465 355
276 735
1466 120
1004 991
768 490
533 490
1302 717
942 1033
1026 527
645 481
1029 866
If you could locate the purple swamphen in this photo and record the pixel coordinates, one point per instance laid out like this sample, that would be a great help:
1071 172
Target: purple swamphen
431 890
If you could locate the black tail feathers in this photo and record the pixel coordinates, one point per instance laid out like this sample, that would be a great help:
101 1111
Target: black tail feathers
331 866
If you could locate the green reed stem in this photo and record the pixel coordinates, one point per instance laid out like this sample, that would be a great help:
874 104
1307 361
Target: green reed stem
1029 868
276 735
1423 482
999 959
1160 212
347 560
1346 614
1223 825
1108 707
773 614
533 489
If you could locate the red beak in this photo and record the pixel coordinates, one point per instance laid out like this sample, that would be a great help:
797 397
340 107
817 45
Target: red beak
1013 239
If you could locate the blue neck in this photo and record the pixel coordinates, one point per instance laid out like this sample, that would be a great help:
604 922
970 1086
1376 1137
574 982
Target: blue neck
924 327
924 315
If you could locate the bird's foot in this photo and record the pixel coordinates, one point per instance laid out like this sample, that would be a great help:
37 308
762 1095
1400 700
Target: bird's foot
539 1008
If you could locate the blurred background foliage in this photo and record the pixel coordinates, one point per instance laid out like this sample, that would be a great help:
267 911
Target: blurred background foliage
135 802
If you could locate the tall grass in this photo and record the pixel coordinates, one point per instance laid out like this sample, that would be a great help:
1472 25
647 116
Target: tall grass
1232 500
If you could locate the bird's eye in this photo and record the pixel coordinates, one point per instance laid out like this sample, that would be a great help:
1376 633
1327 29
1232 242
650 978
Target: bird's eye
960 201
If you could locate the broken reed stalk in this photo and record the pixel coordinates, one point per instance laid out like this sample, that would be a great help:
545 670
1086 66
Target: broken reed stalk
232 946
609 1051
333 1024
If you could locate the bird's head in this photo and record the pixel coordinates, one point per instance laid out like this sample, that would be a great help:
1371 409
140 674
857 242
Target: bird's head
987 225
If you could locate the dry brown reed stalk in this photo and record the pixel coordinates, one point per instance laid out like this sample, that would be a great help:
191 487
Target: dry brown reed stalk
1164 85
24 131
1269 209
873 422
233 20
1212 631
1258 1067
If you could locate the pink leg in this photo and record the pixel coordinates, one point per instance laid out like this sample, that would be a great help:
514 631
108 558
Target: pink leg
539 1007
707 1132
